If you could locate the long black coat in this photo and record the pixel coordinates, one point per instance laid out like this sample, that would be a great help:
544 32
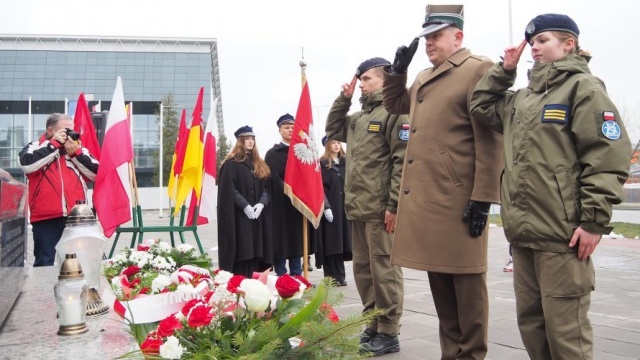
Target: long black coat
287 220
239 238
336 235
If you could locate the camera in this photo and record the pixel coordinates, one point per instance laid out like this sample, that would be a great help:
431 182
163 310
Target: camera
72 134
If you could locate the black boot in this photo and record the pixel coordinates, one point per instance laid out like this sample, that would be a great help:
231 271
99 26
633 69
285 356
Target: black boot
367 335
381 344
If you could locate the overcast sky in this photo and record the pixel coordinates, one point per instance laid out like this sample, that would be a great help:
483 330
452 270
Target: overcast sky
260 42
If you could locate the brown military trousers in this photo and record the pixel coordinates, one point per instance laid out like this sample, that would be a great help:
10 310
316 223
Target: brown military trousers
379 283
462 304
553 295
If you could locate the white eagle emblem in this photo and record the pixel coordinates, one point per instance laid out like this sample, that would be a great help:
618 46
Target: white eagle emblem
307 152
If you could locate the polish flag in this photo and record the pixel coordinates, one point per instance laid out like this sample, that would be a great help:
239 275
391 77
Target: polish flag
112 190
302 178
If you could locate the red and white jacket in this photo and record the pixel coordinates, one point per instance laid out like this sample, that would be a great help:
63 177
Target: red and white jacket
56 180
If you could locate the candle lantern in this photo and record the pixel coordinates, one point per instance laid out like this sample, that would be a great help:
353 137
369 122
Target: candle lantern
71 297
82 236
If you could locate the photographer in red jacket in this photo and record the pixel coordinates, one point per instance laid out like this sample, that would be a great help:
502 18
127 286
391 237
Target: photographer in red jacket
57 167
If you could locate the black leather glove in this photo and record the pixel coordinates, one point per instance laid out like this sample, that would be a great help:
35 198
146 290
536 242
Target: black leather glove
404 55
476 214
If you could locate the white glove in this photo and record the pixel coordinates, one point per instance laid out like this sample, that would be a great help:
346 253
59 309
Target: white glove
248 210
328 214
257 210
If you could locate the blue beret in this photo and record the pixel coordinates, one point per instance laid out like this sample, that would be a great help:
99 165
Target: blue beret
324 140
550 22
369 64
244 131
285 119
439 17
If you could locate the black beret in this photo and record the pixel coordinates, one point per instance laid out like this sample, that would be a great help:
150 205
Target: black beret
550 22
285 119
371 63
244 131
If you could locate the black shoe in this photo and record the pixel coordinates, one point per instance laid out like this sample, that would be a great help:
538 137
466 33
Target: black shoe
367 335
381 344
342 283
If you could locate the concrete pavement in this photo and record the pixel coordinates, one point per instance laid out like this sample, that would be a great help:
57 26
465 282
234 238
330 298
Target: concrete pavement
615 308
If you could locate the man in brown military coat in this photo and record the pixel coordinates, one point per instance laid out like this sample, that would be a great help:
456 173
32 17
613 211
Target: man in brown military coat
450 178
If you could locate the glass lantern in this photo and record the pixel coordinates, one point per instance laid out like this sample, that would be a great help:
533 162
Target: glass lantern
82 236
71 297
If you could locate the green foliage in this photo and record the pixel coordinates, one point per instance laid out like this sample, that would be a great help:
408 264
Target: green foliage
303 322
170 129
224 147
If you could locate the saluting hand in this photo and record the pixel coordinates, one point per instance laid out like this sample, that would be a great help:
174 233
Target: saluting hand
586 241
512 56
348 89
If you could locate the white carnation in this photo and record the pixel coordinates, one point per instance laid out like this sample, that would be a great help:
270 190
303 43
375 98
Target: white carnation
186 290
171 349
160 282
164 246
183 248
222 277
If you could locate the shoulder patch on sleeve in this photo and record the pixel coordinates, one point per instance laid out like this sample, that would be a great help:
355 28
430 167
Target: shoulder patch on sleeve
403 134
611 130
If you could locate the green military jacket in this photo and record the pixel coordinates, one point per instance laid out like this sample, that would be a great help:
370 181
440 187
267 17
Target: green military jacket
566 151
376 143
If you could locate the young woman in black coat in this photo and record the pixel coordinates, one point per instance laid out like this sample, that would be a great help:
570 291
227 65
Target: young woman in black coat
335 247
244 214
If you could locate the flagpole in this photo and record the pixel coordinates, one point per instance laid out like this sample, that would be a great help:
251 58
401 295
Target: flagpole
305 232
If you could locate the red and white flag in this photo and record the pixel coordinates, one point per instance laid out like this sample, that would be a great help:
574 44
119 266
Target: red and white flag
302 177
209 193
112 190
83 125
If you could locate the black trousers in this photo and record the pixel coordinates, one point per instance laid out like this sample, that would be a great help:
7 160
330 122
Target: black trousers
334 267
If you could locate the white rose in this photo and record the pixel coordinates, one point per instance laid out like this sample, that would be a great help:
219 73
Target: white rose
222 277
160 282
257 296
171 349
183 248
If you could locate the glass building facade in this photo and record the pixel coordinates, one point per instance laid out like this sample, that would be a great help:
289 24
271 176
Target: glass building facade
40 75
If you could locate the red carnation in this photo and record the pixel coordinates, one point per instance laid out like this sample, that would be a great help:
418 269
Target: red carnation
189 305
234 283
143 247
200 316
131 270
304 281
145 290
168 326
151 345
287 286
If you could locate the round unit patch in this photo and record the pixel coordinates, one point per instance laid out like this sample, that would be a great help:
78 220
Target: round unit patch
611 130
